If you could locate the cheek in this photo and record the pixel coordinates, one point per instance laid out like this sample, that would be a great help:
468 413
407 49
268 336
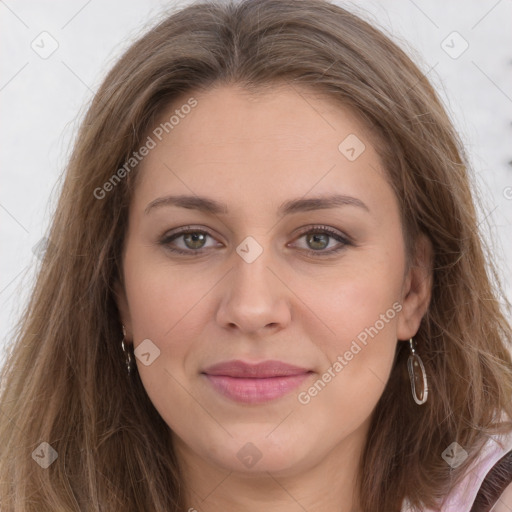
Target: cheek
358 356
359 309
168 305
362 295
163 307
161 296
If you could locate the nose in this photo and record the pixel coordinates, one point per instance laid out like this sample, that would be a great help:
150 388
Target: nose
255 299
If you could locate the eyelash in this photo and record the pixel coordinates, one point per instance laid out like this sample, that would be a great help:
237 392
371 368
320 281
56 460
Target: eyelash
165 241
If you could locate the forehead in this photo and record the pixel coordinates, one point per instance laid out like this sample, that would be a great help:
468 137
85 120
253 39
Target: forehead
285 118
285 141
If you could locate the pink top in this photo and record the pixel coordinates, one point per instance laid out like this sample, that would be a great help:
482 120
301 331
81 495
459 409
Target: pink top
462 497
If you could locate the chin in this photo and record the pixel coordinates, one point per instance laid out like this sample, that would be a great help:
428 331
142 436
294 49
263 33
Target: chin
253 454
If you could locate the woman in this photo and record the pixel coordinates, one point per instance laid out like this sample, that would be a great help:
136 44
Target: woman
267 290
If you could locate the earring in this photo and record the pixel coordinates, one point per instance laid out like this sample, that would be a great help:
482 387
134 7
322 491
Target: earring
127 355
417 375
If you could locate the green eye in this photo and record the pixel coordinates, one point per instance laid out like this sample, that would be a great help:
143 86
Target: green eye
317 240
194 240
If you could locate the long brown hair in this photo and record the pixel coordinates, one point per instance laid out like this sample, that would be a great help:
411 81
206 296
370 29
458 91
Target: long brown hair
65 381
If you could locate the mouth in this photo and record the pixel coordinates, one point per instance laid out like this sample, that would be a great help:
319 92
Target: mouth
255 383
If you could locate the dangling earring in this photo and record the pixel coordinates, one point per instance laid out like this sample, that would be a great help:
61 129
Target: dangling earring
417 375
127 354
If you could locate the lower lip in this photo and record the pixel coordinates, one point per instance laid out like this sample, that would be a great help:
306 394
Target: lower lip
256 391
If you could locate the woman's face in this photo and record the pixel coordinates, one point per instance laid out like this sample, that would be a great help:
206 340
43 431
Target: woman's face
274 268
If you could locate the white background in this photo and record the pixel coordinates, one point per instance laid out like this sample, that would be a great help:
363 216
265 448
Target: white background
42 101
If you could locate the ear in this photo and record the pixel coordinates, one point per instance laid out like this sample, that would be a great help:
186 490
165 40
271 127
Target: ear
417 289
122 306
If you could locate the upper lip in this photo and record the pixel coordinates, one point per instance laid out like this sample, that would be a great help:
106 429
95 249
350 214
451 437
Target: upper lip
237 368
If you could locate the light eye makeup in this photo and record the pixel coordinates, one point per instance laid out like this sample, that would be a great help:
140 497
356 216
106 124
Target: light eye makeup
193 240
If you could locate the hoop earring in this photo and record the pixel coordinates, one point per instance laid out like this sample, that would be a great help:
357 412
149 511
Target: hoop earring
417 375
127 355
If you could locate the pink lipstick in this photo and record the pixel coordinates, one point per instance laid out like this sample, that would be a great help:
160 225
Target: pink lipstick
255 383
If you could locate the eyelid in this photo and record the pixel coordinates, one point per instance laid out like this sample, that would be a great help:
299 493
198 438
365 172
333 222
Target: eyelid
321 228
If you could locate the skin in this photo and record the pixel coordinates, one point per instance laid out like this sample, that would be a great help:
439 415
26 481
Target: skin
254 152
504 503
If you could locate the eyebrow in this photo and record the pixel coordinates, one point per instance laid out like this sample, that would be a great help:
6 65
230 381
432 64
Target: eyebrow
213 207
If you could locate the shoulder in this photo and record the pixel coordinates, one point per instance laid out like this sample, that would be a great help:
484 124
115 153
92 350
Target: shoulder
487 482
486 479
496 488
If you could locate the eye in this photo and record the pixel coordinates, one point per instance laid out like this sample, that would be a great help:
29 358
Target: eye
193 239
318 239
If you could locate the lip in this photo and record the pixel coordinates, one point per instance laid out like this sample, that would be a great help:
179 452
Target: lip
255 383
